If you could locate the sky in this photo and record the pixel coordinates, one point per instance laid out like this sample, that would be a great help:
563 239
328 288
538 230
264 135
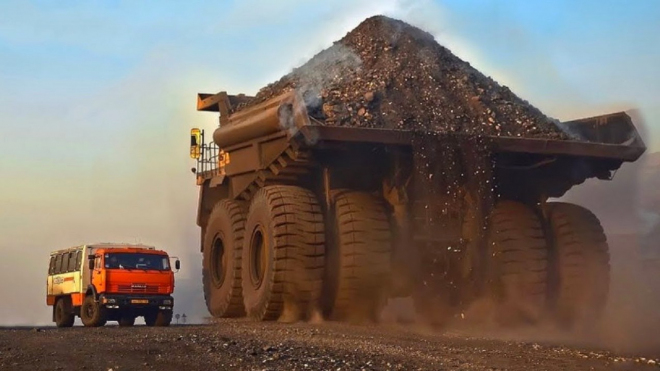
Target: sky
97 99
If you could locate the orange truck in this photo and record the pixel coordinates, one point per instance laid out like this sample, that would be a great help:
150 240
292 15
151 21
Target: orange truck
111 282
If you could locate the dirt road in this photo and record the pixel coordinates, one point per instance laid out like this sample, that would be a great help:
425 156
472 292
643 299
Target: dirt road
244 345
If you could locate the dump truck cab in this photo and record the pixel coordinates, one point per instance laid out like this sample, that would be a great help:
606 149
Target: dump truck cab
111 282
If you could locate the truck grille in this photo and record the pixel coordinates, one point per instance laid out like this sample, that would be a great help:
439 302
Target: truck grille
138 288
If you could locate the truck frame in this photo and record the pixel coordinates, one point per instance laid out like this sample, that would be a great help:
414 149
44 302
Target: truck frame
83 281
299 217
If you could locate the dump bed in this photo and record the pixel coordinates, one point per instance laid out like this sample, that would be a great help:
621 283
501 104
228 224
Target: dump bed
277 142
611 136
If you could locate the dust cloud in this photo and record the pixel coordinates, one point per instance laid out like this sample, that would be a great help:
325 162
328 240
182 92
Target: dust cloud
629 209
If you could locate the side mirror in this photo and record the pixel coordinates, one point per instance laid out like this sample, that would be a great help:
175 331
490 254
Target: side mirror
195 143
177 264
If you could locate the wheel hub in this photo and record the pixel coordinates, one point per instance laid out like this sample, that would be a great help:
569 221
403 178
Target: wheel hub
258 258
218 262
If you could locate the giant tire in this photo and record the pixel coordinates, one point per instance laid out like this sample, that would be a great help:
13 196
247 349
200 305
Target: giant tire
518 266
92 313
63 312
221 260
284 254
581 263
359 257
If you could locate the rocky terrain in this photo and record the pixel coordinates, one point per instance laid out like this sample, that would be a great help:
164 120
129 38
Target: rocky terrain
245 345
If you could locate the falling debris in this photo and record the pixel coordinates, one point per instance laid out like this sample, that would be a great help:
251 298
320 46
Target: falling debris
388 74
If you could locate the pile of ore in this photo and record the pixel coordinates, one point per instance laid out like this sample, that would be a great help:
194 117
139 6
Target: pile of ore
388 74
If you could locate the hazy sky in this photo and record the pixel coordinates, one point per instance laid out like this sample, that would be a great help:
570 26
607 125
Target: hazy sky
97 98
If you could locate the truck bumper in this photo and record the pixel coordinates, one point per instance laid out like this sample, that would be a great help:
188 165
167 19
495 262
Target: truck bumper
137 302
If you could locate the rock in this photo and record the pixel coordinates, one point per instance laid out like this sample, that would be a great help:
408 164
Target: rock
328 110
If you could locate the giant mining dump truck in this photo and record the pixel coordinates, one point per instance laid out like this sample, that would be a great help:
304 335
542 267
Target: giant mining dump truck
298 217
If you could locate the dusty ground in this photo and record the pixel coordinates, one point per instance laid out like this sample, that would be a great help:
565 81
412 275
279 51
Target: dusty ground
244 345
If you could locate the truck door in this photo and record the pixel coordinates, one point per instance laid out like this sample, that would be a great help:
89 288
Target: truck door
97 274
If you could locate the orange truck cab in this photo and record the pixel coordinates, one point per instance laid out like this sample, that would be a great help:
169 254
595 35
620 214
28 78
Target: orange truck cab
111 282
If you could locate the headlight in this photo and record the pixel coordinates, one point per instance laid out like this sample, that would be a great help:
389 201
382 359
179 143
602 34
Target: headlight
110 300
167 302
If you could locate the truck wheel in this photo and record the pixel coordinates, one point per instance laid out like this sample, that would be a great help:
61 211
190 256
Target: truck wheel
581 268
126 321
283 258
359 257
92 313
64 316
221 260
159 318
518 268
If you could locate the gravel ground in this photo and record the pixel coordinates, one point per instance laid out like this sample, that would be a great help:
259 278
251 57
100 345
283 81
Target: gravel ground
387 73
246 345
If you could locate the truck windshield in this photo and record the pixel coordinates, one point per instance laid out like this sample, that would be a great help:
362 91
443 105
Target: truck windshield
137 261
